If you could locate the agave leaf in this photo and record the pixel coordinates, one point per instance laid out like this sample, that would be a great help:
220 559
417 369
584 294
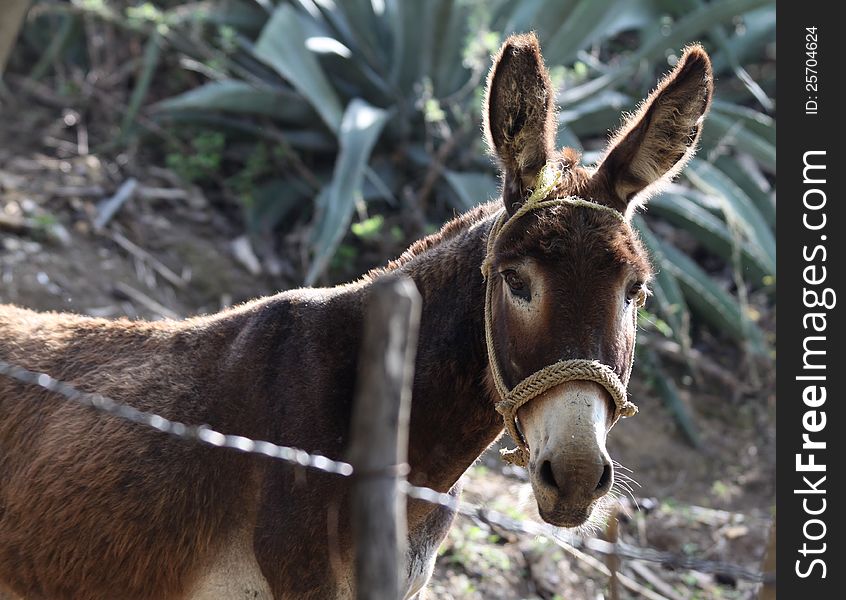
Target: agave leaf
566 137
360 128
58 45
747 46
412 28
715 305
471 188
243 16
305 139
447 71
694 24
627 15
361 68
663 384
272 201
567 26
721 41
231 95
758 123
665 288
745 172
594 115
732 131
152 52
360 28
379 182
652 48
519 16
577 31
282 45
712 233
541 16
591 20
737 207
742 74
351 76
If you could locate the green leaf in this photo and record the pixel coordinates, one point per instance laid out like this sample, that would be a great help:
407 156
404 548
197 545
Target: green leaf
282 45
712 233
720 40
272 201
152 53
58 45
235 96
242 15
448 71
360 128
412 41
715 305
357 25
306 139
747 175
665 288
472 188
757 122
525 13
739 210
758 31
576 31
721 129
586 22
663 384
594 116
653 46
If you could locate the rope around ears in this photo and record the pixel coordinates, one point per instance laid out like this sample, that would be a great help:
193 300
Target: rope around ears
565 370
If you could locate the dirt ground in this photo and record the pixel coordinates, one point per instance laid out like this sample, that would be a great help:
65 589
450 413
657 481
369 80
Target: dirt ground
171 252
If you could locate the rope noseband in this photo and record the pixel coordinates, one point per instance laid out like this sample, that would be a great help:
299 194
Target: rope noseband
565 370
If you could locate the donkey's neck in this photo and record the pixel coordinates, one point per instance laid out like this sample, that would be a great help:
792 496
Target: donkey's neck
452 417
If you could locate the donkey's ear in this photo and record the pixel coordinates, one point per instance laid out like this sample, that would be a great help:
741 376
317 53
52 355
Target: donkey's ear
657 141
519 116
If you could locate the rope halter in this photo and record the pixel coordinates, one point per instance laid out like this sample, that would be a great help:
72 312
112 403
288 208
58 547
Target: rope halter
564 370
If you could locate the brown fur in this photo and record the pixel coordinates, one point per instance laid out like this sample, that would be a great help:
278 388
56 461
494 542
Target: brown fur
93 508
520 117
657 141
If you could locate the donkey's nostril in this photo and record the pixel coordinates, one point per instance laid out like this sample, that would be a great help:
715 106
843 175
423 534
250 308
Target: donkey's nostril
605 480
546 474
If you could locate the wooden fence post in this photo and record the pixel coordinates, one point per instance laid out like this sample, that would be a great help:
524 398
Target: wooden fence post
379 437
768 589
13 13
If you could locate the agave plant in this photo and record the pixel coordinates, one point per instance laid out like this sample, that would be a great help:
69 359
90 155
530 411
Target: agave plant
342 76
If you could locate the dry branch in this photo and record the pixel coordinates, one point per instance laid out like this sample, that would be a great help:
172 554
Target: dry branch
596 564
144 256
109 208
144 300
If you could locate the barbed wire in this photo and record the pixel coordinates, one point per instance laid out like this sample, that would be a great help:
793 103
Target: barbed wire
295 456
199 433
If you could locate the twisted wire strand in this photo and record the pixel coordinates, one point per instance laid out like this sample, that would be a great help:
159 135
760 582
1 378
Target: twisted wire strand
295 456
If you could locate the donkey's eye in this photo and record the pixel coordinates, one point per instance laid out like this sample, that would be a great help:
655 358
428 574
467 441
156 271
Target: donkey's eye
518 286
637 293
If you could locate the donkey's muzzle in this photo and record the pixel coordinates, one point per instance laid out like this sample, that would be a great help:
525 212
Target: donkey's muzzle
569 467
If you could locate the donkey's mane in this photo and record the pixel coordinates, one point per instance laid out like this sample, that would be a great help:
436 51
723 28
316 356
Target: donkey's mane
449 231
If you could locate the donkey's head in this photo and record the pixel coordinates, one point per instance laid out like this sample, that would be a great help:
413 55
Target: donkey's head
566 279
